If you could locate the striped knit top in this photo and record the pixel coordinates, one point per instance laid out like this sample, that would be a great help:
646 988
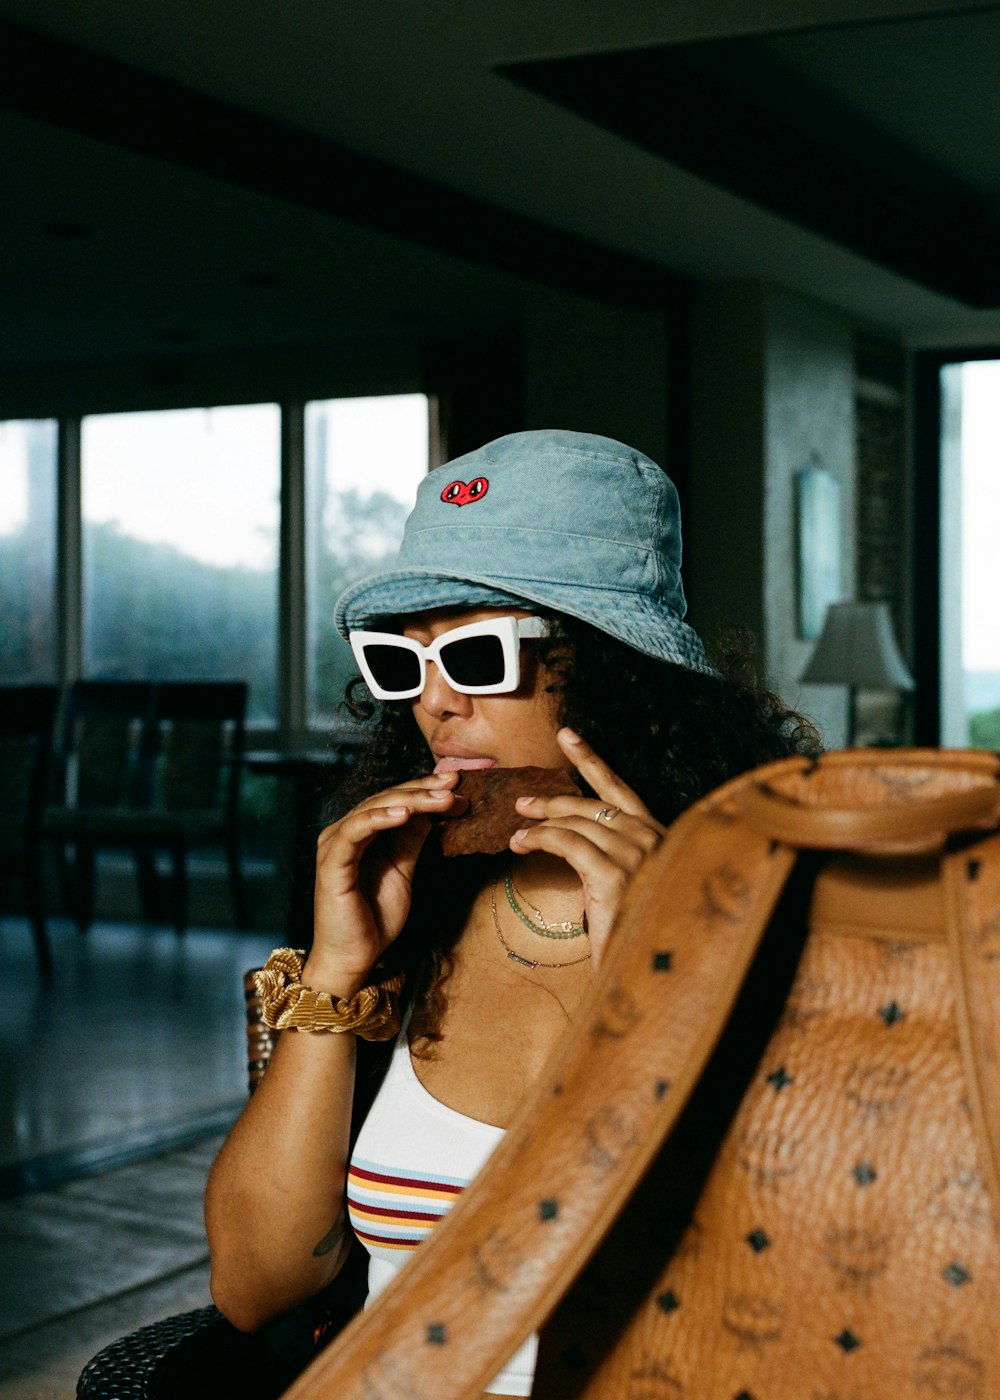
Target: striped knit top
413 1158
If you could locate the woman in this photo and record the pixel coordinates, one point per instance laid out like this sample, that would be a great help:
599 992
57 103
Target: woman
534 617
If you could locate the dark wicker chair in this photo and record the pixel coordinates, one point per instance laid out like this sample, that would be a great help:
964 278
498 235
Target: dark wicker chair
127 1369
199 1356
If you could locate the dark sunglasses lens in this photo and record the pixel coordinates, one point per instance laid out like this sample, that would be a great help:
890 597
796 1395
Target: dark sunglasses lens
474 661
394 668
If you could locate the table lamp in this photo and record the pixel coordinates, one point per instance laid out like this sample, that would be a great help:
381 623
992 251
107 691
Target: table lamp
857 648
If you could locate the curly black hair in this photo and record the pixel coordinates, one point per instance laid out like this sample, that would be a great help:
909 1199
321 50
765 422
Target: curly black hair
670 733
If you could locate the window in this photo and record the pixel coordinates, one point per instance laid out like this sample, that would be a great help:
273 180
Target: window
180 534
180 547
970 593
28 488
364 461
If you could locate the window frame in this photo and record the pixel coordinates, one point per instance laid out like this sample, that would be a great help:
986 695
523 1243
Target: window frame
928 478
290 727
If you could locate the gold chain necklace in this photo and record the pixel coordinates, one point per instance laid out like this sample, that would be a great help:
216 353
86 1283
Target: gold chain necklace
564 928
516 957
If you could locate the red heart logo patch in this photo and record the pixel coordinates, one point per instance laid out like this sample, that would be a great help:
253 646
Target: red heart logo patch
463 493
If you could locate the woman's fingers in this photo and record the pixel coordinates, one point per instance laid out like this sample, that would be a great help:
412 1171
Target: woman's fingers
342 845
604 781
390 808
605 867
602 814
605 838
430 782
588 846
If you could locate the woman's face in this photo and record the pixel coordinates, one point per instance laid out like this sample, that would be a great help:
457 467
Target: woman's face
511 730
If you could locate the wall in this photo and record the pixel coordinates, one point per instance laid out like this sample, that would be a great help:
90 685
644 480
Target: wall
196 380
724 509
773 392
598 368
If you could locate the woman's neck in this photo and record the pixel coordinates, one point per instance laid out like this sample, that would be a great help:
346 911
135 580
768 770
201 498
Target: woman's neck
542 875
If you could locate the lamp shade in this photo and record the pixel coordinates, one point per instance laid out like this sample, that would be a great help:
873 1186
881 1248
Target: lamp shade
858 647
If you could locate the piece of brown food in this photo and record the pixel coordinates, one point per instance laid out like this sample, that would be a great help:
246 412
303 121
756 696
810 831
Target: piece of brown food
492 818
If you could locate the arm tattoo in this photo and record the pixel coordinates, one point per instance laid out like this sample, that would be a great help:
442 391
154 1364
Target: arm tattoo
332 1238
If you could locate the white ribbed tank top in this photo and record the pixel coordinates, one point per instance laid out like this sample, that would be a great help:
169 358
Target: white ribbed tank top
412 1160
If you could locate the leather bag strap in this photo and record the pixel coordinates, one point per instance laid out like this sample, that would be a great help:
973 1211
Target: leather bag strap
499 1263
830 828
972 904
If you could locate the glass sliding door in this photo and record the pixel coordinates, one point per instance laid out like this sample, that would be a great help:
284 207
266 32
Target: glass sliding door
364 461
28 492
180 547
970 556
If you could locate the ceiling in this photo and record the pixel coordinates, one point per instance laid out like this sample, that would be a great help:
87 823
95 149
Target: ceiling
210 176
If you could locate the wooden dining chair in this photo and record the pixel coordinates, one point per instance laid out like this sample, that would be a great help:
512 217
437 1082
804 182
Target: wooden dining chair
27 719
150 767
195 740
101 780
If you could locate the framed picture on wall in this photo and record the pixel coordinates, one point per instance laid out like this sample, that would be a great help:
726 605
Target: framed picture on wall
817 502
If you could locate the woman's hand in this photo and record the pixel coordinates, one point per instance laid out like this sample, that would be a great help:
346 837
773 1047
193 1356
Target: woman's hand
364 877
605 839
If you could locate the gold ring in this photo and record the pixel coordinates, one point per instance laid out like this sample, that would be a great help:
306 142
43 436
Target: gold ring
607 814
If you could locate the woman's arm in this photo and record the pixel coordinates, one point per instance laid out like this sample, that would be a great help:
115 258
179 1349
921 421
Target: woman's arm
275 1203
275 1207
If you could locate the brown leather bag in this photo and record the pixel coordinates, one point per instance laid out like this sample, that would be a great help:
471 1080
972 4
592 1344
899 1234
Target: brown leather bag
763 1164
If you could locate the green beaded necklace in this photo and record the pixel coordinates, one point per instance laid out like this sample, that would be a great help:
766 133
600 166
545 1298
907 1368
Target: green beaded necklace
564 929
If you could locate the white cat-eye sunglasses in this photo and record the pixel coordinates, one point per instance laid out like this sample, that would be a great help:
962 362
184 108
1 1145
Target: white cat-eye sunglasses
481 658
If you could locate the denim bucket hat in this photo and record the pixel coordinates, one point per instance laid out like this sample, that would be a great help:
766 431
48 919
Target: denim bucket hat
580 524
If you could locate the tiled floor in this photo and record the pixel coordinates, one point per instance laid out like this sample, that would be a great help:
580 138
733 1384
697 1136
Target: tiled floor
93 1259
133 1054
138 1037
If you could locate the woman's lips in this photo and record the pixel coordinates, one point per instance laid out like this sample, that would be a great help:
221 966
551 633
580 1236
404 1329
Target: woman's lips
453 765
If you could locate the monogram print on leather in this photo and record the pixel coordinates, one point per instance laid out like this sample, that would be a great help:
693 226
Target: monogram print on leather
386 1378
495 1261
892 1012
857 1256
808 1001
610 1135
725 893
877 1090
899 781
768 1157
898 950
949 1368
651 1380
753 1320
961 1198
986 938
622 1013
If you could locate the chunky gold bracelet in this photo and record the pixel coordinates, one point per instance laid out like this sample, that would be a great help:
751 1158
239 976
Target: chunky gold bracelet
372 1013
